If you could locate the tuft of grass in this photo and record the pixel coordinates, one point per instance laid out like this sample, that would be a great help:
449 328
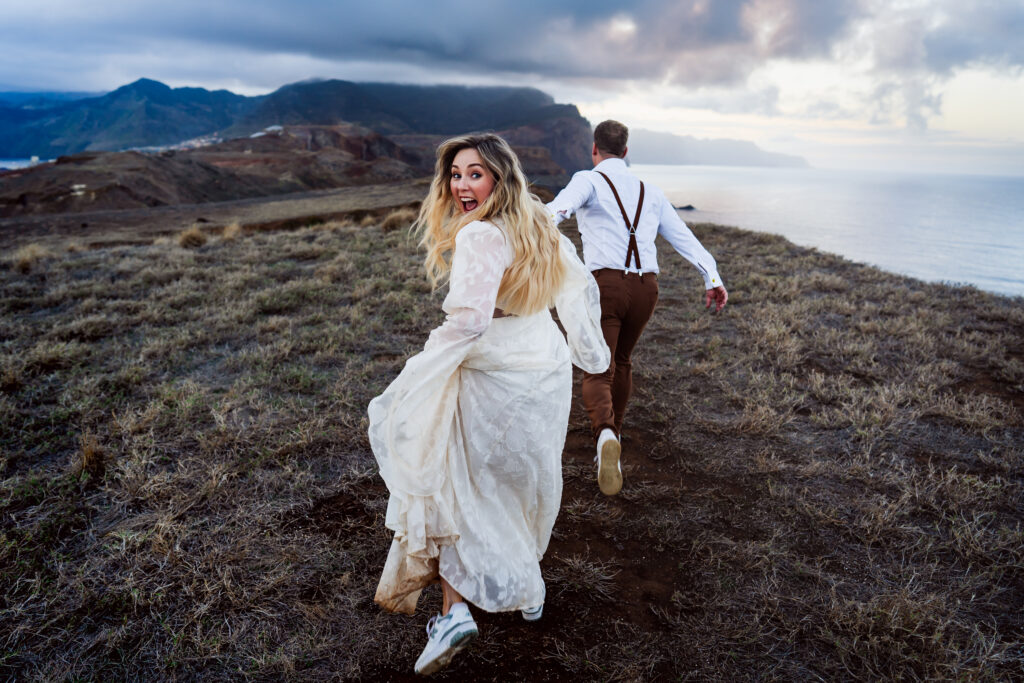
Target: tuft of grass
231 231
192 238
401 218
91 459
586 577
25 258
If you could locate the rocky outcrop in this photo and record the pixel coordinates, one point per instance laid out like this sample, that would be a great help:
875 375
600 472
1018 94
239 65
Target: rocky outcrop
316 157
549 148
96 181
567 139
278 162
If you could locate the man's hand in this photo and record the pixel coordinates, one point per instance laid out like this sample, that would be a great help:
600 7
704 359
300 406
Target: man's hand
718 295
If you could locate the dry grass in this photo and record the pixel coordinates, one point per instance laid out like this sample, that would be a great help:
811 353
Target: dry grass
192 238
399 219
91 458
231 231
25 258
820 483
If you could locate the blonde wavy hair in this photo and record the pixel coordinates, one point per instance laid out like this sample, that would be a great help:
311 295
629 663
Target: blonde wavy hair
536 273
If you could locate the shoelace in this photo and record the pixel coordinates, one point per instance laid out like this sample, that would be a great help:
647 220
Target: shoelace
431 622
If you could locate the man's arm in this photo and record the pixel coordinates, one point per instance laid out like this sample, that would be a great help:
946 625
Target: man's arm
578 192
673 229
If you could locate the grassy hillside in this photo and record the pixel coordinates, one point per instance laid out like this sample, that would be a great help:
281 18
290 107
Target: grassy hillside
824 481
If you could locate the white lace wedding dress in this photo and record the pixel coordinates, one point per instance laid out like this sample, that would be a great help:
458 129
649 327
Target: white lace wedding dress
469 436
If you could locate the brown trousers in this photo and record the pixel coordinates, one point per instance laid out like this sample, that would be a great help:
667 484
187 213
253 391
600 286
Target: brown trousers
627 301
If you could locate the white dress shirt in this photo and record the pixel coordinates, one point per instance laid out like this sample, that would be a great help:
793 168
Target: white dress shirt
604 233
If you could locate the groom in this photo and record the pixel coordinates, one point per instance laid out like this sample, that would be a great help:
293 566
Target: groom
619 217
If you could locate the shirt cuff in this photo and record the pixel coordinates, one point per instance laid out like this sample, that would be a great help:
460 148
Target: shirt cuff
557 215
712 280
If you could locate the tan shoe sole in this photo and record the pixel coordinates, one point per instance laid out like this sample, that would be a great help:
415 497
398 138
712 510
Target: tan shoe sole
609 475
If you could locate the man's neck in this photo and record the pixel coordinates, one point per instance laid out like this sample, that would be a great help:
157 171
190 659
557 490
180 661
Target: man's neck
598 158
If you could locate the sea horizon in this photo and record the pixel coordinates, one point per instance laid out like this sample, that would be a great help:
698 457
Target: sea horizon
939 226
957 229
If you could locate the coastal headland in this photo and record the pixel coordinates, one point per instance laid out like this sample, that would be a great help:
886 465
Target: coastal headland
826 480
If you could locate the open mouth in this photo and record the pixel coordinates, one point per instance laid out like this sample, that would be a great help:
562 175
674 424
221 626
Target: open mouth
468 204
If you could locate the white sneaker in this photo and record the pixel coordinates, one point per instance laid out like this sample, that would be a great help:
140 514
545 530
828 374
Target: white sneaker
446 636
609 470
533 613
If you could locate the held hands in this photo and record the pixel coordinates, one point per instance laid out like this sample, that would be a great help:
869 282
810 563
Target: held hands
718 295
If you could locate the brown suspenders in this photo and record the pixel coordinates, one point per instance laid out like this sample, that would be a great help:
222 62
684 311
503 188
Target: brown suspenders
632 250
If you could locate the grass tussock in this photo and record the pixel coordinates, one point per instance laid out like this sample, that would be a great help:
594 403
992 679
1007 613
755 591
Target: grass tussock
26 258
821 482
192 238
401 219
231 231
91 458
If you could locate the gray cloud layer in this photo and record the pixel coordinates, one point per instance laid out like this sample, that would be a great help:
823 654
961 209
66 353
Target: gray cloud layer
686 42
689 42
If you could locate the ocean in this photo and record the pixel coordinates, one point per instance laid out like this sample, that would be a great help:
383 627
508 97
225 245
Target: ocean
958 229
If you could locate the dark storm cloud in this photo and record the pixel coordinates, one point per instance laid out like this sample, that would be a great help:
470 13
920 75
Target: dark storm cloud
686 41
710 47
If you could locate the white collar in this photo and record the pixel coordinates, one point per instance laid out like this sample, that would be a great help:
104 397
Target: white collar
611 164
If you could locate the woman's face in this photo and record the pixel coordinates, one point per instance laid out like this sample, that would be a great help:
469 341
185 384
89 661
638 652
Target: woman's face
471 182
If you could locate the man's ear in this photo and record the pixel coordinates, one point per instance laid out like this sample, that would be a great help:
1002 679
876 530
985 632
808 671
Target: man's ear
625 151
593 152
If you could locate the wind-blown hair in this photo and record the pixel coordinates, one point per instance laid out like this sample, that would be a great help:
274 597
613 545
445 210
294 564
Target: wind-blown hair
536 273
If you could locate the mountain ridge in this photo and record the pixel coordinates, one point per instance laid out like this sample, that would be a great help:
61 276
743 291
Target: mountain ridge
148 113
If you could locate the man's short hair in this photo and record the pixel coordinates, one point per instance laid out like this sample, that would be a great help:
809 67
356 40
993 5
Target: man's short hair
611 137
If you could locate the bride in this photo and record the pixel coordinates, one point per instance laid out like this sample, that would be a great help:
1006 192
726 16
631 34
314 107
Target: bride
469 436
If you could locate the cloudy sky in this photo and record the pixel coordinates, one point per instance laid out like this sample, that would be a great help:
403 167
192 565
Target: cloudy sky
887 84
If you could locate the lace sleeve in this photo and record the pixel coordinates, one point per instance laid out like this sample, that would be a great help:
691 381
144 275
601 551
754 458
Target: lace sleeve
478 265
579 310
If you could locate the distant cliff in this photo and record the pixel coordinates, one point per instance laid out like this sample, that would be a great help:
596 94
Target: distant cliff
148 113
281 161
649 147
278 160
